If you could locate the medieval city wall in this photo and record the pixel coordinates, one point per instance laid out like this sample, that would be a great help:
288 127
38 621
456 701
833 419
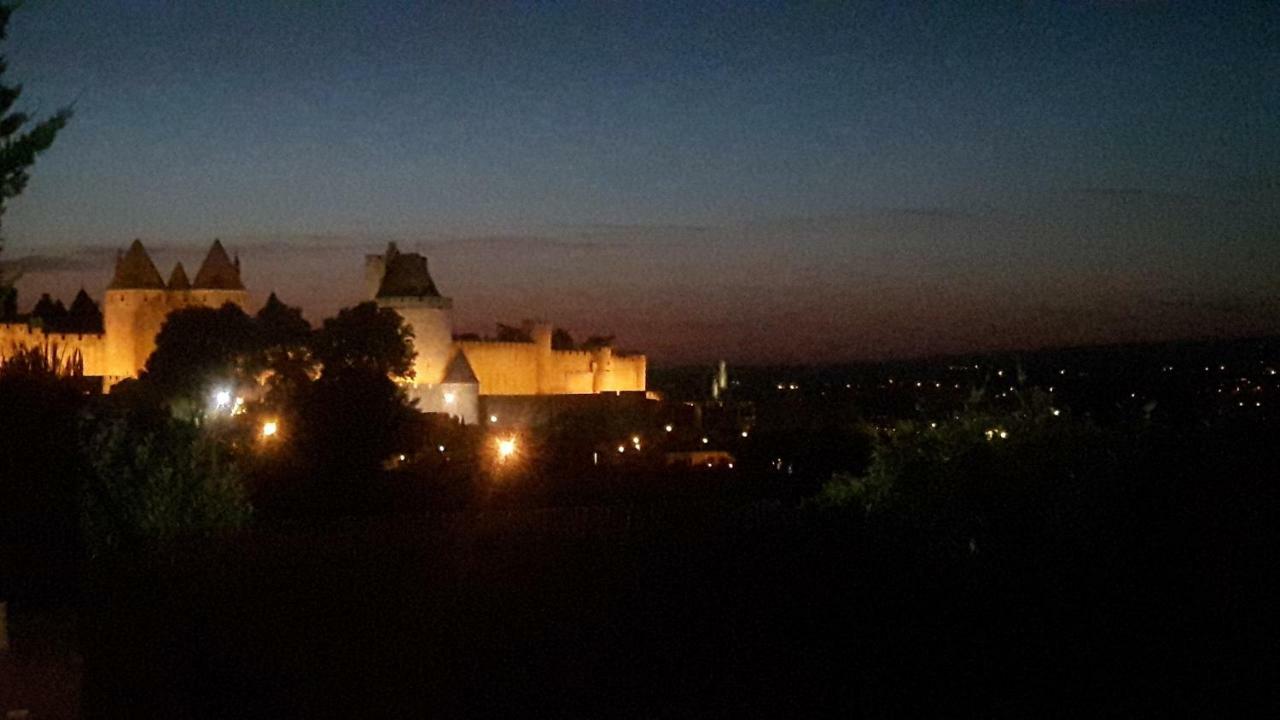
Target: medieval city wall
15 337
526 368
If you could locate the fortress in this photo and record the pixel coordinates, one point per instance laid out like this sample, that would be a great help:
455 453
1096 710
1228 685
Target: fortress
452 376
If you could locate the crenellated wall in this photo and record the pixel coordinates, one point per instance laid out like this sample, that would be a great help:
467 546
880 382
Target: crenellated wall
533 368
17 336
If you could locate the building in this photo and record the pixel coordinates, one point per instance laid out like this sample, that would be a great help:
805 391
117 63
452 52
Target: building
460 377
113 342
456 377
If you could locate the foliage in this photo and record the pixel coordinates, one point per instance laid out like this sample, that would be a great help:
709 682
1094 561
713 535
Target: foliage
985 477
366 337
18 146
152 482
197 344
282 325
561 340
510 333
40 470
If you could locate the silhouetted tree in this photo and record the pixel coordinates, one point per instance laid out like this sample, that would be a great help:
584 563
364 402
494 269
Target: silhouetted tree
154 482
8 301
561 340
198 346
597 341
18 146
40 468
509 333
281 324
365 337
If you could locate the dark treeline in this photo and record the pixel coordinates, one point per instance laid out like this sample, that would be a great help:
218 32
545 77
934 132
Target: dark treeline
995 550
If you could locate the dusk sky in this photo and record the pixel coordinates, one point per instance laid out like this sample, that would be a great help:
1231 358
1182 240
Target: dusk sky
763 182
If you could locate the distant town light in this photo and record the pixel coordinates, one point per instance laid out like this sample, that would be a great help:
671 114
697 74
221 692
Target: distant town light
269 428
669 428
440 448
635 439
745 433
622 448
705 441
493 418
401 456
1056 412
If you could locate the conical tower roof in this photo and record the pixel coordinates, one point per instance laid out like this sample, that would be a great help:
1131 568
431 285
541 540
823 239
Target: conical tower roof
217 272
178 278
460 371
84 314
83 304
407 276
135 271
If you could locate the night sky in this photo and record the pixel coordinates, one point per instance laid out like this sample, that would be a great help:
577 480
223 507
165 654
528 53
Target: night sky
756 181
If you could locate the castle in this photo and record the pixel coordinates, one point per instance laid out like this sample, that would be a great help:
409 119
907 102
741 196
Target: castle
114 343
456 376
451 376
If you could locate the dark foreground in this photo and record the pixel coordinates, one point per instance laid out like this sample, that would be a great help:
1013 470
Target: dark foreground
763 611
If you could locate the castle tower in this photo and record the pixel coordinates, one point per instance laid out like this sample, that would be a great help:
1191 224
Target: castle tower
217 282
406 286
459 390
135 306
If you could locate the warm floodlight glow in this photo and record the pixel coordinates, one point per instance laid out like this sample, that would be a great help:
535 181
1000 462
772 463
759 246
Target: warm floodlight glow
270 428
506 448
222 398
449 398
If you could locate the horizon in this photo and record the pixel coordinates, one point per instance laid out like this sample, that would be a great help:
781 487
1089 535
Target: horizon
764 184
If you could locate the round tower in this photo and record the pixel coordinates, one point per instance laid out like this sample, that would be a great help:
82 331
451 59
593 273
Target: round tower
133 310
406 287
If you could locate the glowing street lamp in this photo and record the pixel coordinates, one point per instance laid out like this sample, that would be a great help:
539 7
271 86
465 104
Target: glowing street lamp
270 428
221 398
506 448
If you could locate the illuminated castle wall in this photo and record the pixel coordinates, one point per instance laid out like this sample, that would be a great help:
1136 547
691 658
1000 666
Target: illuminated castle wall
135 306
449 376
446 370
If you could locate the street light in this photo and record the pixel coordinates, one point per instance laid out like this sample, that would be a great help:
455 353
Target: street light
270 428
506 448
221 398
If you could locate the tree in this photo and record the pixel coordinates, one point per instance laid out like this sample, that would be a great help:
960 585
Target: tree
40 469
561 340
282 325
510 333
366 336
197 346
154 482
20 142
285 337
